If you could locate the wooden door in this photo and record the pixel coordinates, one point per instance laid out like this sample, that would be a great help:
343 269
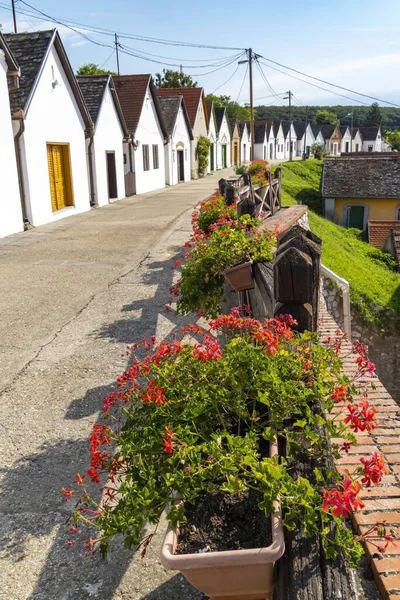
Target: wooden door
356 217
111 175
212 157
59 176
181 166
224 156
235 154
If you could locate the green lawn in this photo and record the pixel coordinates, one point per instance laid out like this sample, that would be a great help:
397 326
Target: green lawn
374 282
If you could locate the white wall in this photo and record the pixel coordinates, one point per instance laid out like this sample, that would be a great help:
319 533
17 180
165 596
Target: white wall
199 129
149 132
346 139
293 138
260 149
280 144
53 116
245 146
376 144
108 137
10 203
180 141
224 137
212 136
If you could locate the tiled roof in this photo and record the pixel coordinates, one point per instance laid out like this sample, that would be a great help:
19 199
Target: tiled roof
379 231
219 115
299 129
276 125
131 91
259 133
377 177
191 96
29 50
11 62
170 106
93 88
327 130
369 133
316 129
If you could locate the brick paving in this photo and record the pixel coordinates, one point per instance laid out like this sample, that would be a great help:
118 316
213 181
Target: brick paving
382 503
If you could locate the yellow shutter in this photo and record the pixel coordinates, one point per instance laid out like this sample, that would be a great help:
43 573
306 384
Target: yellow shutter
53 194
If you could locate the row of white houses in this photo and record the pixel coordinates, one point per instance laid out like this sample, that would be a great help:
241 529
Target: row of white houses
68 143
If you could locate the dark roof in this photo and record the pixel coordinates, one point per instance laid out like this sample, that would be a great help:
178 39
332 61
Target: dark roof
30 50
343 129
377 177
379 231
219 115
276 125
170 106
93 88
209 106
327 130
241 125
316 129
232 123
11 62
369 133
299 129
259 133
285 127
131 91
192 98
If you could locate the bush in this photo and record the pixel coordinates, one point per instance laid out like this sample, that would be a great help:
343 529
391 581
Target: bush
203 149
257 166
240 169
318 150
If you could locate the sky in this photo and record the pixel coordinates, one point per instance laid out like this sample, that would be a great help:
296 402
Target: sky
352 43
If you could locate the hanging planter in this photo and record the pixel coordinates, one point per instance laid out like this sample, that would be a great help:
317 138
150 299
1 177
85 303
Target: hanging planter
229 575
240 278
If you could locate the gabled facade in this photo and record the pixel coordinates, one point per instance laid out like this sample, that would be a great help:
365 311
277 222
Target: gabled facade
317 133
353 194
10 200
235 142
196 107
290 139
145 157
279 140
357 141
224 139
105 149
179 137
305 139
345 144
50 121
271 142
260 141
371 139
245 143
335 141
212 136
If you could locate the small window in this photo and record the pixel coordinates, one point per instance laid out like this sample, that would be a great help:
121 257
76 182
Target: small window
146 159
370 148
185 154
155 157
124 158
357 147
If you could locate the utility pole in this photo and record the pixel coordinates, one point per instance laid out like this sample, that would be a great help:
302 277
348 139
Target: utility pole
289 97
14 15
251 104
249 60
116 51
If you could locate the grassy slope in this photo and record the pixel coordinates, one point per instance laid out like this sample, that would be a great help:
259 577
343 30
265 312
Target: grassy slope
371 273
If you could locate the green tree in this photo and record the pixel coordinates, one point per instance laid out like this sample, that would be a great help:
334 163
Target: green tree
233 109
375 116
174 79
393 137
325 117
92 69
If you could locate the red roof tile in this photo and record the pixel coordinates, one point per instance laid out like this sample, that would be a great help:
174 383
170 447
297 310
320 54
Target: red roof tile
379 231
192 97
131 91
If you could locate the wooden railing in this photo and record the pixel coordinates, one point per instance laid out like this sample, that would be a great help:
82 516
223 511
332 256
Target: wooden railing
261 201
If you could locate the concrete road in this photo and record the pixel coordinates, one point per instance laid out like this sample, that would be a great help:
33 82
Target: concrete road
72 295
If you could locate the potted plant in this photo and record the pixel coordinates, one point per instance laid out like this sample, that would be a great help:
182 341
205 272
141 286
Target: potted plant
191 420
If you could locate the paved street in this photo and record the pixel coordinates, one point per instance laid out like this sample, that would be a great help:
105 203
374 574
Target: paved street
73 295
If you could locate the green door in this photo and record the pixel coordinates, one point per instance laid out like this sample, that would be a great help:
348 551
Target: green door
224 156
211 157
355 217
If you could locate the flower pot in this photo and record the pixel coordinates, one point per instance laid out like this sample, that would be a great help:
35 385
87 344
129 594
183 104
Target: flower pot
232 574
240 278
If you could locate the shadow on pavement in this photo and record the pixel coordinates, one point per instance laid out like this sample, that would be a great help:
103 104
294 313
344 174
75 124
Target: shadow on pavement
177 588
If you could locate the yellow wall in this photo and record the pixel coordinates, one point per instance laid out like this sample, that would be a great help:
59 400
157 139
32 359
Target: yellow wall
381 209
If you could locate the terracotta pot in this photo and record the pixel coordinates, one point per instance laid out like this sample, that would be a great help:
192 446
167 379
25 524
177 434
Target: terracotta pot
233 574
240 278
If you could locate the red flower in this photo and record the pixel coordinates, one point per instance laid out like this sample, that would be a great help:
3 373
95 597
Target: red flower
341 503
67 494
361 416
374 469
79 479
168 446
339 393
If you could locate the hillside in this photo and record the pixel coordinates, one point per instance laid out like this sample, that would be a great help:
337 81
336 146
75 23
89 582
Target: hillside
374 282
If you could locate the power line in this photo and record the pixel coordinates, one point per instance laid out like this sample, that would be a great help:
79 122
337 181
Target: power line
340 87
244 79
315 85
105 31
107 59
227 81
267 82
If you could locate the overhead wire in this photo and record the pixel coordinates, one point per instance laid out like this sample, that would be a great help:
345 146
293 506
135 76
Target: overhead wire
244 79
107 59
267 82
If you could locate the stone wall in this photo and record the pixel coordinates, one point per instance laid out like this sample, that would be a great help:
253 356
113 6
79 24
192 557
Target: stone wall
384 349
